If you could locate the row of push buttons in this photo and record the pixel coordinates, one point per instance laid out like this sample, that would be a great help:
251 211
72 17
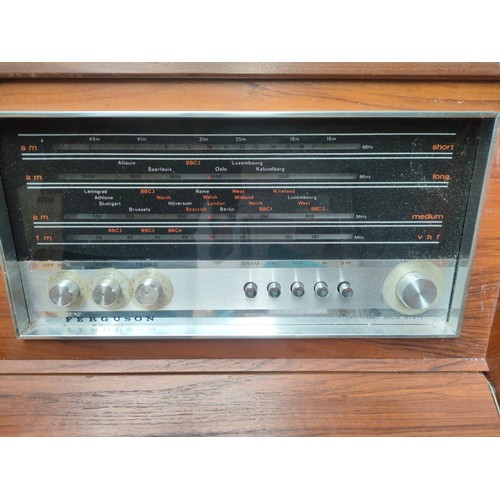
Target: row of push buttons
298 289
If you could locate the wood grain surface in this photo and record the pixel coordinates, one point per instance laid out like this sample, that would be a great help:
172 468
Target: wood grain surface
227 95
284 404
235 365
249 70
467 353
493 353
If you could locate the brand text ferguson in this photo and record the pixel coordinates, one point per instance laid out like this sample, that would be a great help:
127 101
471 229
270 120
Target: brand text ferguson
104 319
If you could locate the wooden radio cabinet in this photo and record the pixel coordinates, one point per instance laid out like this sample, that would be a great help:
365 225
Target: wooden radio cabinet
334 386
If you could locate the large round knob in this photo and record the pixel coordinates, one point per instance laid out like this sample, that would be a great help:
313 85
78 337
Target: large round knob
149 292
412 287
64 293
107 292
416 291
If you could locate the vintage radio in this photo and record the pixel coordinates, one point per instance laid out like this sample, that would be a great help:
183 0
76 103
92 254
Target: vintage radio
168 225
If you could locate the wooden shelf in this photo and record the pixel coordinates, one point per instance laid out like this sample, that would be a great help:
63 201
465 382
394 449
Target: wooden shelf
280 404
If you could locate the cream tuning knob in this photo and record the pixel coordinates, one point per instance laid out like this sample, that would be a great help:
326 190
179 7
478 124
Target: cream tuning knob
107 292
416 291
149 292
64 293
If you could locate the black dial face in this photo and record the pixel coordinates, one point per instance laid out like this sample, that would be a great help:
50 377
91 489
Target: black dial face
237 188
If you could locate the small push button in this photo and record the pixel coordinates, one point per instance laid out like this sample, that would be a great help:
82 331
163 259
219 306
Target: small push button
250 289
274 289
321 289
298 289
345 290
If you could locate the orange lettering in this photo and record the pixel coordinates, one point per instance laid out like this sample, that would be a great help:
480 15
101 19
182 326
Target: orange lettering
427 217
443 147
441 177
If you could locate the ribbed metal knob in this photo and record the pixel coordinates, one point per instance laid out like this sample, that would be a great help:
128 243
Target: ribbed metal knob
107 292
149 292
321 289
64 293
416 291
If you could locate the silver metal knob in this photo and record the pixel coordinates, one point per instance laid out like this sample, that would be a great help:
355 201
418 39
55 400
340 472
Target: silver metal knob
298 289
416 291
345 290
250 290
321 289
274 289
64 293
107 292
149 292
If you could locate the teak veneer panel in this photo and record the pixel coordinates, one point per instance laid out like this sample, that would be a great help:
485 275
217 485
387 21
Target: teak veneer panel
493 354
255 95
282 404
468 352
